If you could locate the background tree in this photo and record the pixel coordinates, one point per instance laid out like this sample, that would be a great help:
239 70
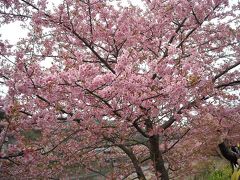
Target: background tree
94 82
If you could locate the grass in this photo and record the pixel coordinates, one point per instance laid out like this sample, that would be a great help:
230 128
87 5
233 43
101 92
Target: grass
223 173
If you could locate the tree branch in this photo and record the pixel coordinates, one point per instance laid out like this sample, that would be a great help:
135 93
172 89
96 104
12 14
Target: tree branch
233 83
139 129
92 49
225 71
176 141
132 156
194 29
62 141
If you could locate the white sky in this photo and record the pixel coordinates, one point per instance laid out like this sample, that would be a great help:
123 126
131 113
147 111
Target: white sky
13 32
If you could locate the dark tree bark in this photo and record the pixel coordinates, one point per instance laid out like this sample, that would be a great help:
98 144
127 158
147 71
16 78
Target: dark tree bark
156 154
157 158
135 162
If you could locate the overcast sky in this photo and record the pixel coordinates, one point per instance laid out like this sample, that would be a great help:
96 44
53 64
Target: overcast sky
13 32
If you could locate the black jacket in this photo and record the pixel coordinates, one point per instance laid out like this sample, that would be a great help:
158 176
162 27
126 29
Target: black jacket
230 155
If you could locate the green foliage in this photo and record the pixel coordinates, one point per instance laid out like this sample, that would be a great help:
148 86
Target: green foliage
220 174
223 173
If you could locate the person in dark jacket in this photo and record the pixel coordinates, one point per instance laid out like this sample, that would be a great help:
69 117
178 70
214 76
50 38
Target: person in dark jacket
236 149
232 154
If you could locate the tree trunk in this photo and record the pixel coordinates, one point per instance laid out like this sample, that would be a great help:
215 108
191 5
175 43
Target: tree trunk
133 158
156 157
135 162
156 154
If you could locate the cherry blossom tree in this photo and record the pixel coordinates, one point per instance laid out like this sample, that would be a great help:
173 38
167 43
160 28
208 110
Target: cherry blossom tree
122 91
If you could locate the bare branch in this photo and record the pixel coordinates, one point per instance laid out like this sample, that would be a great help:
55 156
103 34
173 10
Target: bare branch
176 141
194 29
225 71
177 30
233 83
135 124
62 141
43 99
132 156
92 49
96 95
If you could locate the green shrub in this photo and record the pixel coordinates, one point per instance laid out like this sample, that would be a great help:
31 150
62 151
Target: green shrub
220 174
214 173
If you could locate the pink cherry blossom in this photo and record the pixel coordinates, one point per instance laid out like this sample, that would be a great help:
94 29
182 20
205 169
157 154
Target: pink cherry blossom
128 89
